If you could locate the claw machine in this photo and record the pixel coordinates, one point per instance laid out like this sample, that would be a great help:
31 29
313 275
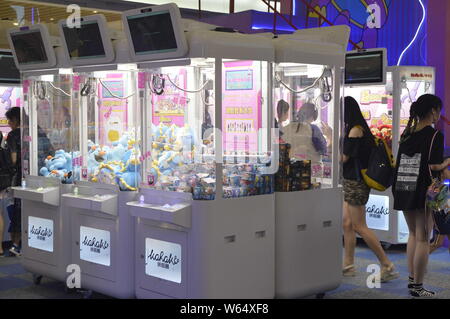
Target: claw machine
101 231
47 151
308 77
204 216
385 105
10 96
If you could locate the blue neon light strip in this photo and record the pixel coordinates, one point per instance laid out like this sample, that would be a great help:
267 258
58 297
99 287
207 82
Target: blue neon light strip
416 35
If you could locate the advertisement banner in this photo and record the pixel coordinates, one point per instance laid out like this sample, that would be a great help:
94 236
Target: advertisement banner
163 260
241 106
95 245
113 117
40 233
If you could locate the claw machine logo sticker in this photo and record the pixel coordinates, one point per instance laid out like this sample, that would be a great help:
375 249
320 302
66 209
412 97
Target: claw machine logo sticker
163 260
113 109
40 233
95 245
377 212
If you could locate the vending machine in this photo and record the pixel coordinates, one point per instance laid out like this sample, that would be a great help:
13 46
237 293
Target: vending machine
204 216
46 156
308 218
385 105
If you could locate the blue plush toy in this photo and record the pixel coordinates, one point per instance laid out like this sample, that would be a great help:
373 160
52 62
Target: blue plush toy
131 178
59 166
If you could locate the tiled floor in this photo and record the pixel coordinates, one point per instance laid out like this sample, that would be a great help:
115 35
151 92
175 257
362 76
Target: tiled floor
16 283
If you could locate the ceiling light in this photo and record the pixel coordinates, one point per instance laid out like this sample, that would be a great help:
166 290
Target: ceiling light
95 11
16 23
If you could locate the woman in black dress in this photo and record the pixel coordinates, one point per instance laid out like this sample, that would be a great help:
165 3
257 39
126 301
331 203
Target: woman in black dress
420 154
358 143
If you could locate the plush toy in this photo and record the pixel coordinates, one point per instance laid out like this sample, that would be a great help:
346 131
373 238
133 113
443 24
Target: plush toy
130 179
59 166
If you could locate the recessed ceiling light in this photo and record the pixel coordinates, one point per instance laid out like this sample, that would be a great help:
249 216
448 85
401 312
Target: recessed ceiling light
95 11
51 19
15 23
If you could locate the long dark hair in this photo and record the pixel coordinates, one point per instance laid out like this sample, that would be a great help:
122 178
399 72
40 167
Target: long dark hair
353 117
420 110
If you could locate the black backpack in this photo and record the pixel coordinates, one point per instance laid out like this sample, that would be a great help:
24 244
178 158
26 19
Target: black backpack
7 170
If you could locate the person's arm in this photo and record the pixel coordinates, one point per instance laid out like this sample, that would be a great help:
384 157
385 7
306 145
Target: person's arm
437 162
349 147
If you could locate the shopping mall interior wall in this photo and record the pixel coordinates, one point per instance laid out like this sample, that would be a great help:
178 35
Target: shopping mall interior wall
439 53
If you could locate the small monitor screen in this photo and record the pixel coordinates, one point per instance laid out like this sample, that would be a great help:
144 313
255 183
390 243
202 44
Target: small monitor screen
8 70
84 42
152 32
366 67
29 47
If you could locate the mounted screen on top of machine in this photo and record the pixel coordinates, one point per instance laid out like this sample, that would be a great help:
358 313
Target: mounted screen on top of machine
152 32
366 67
29 47
84 42
8 70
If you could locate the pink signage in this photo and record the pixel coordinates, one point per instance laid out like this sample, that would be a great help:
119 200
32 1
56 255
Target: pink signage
113 117
169 106
241 106
9 97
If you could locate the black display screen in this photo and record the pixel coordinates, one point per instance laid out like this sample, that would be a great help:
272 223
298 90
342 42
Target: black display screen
8 71
365 67
152 32
29 47
84 42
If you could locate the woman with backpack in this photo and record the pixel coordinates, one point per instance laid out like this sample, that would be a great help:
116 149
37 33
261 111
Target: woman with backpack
358 143
419 156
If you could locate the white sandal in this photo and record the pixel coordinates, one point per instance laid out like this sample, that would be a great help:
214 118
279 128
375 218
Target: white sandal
349 271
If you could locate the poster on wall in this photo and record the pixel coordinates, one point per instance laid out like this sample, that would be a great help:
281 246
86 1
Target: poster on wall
113 111
170 106
9 97
241 107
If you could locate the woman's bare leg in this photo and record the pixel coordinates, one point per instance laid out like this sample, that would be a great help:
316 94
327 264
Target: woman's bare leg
358 216
422 250
410 218
349 237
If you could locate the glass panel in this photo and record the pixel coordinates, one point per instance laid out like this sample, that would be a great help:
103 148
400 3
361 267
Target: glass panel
48 128
413 84
376 103
245 128
303 107
107 129
180 121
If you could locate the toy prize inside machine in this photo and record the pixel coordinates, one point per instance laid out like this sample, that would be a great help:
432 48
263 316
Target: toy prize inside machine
385 95
47 157
101 229
307 76
199 231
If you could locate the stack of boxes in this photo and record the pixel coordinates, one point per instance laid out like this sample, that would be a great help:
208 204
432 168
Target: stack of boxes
292 175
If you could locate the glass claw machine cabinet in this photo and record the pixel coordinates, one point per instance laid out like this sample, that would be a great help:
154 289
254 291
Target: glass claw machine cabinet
46 154
108 165
205 214
385 106
307 90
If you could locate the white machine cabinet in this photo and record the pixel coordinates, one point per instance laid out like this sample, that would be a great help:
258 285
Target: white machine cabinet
308 215
46 155
205 213
386 109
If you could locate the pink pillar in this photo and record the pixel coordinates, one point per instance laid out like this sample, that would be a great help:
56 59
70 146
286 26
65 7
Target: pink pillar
439 53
